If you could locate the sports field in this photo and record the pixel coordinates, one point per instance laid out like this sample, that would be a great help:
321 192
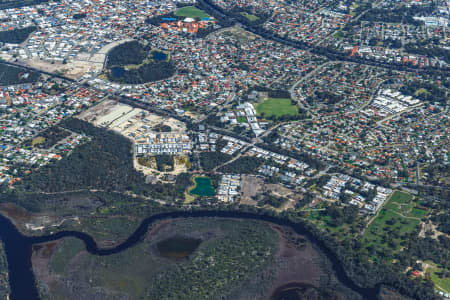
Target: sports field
276 107
191 12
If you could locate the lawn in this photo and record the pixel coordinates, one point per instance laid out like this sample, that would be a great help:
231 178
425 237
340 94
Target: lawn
443 283
242 120
37 141
402 203
276 107
191 12
421 91
401 197
397 218
250 17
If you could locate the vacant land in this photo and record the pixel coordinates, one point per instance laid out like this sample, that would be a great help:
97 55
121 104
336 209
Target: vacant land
250 187
276 107
191 12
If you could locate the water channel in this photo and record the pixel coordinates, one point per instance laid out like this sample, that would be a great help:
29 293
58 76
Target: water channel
18 248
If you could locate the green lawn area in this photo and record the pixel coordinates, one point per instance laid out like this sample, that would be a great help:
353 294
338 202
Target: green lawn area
401 197
241 119
37 141
402 203
191 12
397 218
443 283
420 92
250 17
352 8
188 198
338 34
324 222
276 107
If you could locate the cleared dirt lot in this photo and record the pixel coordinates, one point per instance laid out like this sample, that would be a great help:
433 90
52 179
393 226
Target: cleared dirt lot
127 120
250 187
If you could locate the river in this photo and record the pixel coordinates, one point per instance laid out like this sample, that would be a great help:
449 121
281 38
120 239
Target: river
18 249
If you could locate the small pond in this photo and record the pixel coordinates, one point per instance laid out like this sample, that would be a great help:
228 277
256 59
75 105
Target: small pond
117 71
157 55
178 247
203 187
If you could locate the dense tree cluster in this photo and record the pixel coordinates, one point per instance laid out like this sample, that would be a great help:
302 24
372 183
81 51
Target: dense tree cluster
272 93
164 162
16 36
52 136
431 93
430 50
338 215
129 53
104 163
148 72
10 75
272 200
397 15
162 128
210 160
222 264
305 157
443 221
327 97
243 165
157 20
134 53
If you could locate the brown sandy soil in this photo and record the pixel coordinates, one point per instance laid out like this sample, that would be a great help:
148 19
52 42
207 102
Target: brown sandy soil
278 190
74 70
26 222
178 168
250 186
428 226
281 191
17 214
